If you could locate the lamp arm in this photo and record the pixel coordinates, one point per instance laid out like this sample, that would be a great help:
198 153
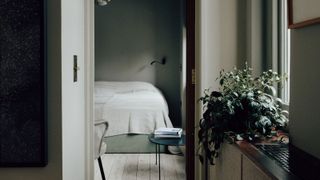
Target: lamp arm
163 61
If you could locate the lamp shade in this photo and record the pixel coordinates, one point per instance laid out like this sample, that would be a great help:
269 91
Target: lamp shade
102 2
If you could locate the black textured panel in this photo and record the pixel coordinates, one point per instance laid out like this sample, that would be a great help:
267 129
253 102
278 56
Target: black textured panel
22 122
279 152
293 160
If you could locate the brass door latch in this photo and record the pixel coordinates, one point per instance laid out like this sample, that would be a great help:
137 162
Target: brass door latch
193 74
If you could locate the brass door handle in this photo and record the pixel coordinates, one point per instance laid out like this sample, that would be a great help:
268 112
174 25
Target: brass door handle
76 68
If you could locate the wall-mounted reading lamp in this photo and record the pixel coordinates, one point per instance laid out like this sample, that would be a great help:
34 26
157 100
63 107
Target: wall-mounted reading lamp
102 2
163 61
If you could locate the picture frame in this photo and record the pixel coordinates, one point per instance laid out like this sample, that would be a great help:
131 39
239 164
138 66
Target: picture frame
23 92
303 13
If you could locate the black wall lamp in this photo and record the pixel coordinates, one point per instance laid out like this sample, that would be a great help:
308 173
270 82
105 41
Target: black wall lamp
103 2
163 61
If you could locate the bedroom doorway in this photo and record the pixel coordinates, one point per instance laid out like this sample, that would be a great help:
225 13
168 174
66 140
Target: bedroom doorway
159 62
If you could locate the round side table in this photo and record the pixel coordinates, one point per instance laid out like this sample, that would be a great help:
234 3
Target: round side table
166 142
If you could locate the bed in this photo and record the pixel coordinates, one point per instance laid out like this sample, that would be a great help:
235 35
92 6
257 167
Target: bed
130 107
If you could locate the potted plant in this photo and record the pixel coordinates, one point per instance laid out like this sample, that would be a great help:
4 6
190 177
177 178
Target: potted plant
245 107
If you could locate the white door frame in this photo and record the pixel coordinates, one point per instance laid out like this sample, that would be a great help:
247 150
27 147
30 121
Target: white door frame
89 84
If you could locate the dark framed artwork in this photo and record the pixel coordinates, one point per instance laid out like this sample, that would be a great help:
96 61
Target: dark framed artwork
303 13
23 132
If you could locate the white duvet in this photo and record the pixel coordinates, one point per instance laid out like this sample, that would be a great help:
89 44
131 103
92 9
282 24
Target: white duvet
130 107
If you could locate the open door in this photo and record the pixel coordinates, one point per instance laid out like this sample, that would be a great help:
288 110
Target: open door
190 85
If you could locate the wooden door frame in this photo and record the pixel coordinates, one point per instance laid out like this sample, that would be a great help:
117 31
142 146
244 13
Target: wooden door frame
190 87
190 90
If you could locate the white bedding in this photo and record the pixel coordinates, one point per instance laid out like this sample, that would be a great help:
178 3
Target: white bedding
130 107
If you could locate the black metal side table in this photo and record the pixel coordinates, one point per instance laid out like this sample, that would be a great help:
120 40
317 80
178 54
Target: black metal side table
167 142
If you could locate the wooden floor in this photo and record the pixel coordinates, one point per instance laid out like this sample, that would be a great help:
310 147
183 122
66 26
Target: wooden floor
141 167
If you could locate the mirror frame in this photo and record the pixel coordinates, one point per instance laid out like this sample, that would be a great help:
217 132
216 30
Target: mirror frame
292 24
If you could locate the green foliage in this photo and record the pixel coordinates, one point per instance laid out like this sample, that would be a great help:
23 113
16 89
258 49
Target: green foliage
245 106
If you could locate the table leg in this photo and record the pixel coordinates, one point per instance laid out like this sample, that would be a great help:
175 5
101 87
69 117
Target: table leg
159 162
156 145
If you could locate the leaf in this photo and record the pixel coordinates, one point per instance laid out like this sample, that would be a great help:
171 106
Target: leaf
201 159
239 138
221 82
211 161
270 90
216 94
264 121
235 94
200 133
285 113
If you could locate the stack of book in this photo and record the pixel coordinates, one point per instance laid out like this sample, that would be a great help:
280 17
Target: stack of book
168 133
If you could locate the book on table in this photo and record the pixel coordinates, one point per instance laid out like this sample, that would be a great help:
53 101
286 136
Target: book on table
167 136
168 133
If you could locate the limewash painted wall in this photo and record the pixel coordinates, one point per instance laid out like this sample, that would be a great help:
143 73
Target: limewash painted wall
129 35
304 122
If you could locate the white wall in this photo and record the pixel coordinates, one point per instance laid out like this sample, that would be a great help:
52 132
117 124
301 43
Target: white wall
73 114
254 34
220 45
222 39
304 91
130 35
261 34
53 171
